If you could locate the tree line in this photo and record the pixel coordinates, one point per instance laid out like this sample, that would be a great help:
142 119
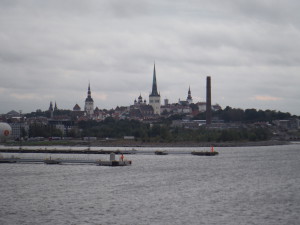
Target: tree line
248 115
164 132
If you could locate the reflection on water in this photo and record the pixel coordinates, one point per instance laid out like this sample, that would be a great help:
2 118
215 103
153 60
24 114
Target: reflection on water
255 185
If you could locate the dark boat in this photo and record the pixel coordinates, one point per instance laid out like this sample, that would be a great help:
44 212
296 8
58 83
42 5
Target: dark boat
52 161
8 161
114 163
160 153
205 153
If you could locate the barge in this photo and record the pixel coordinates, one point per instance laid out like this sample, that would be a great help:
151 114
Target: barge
160 153
207 153
111 162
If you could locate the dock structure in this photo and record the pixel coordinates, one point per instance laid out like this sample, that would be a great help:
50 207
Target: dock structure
68 161
66 151
111 162
114 163
206 153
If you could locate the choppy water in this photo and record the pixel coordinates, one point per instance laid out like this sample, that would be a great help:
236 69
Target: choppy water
255 185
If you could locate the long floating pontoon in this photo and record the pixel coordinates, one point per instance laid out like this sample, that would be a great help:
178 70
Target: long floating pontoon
117 152
66 151
111 162
68 161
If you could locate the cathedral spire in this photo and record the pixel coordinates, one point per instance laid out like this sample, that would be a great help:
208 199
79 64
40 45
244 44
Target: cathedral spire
89 90
154 84
189 97
51 106
51 109
154 97
89 103
89 96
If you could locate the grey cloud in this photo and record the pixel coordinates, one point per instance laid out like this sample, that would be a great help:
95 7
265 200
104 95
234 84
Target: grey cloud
52 49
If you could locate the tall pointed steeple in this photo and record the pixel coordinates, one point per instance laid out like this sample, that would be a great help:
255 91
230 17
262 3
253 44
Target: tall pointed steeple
51 109
189 97
89 96
89 103
154 84
51 106
154 97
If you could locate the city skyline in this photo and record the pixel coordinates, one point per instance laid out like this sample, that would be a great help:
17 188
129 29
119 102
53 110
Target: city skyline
50 51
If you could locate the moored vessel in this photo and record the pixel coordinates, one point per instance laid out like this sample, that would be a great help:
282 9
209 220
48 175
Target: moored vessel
205 153
160 153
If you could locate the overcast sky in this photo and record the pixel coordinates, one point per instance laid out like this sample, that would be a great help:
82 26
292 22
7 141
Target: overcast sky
50 50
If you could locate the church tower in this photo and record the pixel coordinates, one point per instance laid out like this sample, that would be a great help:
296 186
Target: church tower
189 98
55 107
89 104
51 109
154 97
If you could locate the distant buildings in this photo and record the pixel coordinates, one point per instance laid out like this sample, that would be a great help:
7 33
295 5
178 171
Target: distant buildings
65 120
140 110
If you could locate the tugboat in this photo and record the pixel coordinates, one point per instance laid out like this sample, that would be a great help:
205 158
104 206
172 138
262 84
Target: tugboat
160 153
52 161
205 153
113 162
212 152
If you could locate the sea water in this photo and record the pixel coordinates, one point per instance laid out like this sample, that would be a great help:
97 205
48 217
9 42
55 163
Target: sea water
242 185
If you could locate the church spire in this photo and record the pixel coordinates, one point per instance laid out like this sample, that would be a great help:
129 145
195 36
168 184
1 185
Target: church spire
51 109
89 103
189 97
154 97
154 84
89 96
51 106
89 90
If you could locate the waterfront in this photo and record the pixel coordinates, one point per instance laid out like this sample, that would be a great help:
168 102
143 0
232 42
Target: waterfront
242 185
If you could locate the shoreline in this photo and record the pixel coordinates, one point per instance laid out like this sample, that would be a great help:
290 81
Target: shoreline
55 148
132 144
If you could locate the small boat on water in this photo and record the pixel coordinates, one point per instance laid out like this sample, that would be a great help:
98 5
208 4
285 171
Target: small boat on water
212 152
207 153
160 153
52 161
114 163
8 160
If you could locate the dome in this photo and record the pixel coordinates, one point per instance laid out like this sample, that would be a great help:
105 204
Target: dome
5 131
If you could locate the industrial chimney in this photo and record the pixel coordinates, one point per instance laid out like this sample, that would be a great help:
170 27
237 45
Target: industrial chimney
208 101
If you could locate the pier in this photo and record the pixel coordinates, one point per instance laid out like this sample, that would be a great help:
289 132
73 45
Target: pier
106 152
99 162
67 161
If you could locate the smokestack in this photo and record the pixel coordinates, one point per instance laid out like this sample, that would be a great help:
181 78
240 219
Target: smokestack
208 101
